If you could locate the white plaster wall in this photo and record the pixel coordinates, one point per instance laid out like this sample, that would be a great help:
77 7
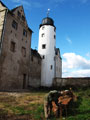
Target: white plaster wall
47 74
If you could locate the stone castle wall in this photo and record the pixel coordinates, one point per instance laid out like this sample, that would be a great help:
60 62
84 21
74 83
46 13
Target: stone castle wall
35 70
14 66
75 82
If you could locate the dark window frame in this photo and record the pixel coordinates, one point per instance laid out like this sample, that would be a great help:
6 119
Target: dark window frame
12 46
54 36
14 24
43 46
23 18
24 80
51 67
24 32
19 14
43 27
43 35
43 57
23 51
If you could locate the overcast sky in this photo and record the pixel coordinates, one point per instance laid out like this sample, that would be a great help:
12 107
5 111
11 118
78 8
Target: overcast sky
72 21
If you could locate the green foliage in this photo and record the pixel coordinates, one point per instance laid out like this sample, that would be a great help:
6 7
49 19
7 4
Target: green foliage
82 111
39 113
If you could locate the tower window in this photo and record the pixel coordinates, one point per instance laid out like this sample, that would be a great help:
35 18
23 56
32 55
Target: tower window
51 67
42 35
44 46
54 36
43 27
14 24
43 57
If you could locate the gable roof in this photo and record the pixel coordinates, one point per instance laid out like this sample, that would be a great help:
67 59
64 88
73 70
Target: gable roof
12 12
16 8
3 4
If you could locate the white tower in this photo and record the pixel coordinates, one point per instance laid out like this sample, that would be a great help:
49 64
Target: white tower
46 48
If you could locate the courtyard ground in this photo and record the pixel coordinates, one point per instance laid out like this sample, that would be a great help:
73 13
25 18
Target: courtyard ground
29 106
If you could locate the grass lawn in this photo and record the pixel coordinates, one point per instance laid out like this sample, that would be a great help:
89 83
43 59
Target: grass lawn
29 106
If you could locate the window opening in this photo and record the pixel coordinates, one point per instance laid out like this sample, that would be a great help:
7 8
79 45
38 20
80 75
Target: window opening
54 36
51 67
44 46
42 35
43 57
23 18
12 47
19 14
24 32
43 27
14 24
23 51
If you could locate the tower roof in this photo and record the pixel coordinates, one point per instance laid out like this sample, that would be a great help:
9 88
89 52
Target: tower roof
47 21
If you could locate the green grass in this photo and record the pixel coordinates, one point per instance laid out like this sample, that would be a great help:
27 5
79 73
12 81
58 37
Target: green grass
31 105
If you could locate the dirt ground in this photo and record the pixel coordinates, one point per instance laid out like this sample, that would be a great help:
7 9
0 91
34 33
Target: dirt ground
19 105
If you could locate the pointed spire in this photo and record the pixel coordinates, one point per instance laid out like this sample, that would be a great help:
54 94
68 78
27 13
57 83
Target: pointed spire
48 11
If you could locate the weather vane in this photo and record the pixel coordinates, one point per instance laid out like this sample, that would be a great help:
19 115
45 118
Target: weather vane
48 12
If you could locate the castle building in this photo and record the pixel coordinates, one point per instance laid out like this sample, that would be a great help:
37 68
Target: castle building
20 66
51 66
15 48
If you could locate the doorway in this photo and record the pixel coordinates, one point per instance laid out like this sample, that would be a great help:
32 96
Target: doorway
24 81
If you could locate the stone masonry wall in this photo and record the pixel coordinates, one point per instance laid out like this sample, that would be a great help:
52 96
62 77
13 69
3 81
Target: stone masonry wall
75 82
15 66
35 70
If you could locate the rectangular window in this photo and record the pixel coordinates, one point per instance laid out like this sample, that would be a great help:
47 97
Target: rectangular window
24 32
44 46
19 14
54 36
12 47
42 35
43 57
51 67
14 24
23 18
23 52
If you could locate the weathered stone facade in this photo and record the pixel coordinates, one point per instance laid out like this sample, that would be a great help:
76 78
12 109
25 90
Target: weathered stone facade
58 64
35 72
15 38
75 82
